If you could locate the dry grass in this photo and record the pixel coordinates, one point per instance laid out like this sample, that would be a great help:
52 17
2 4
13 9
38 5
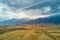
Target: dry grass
30 32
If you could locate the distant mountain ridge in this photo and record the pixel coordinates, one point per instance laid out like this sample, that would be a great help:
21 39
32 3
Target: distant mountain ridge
14 21
55 19
49 20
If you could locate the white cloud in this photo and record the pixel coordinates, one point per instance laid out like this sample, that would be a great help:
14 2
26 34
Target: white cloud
58 7
7 13
7 9
46 9
31 14
4 8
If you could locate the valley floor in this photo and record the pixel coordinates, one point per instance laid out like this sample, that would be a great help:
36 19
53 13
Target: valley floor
30 33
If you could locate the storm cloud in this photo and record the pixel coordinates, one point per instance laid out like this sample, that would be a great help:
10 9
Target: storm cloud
18 9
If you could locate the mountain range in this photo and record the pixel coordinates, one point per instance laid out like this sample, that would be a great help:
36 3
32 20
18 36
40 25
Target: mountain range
49 20
14 21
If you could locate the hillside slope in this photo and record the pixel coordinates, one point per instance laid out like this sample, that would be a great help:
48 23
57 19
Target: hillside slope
49 20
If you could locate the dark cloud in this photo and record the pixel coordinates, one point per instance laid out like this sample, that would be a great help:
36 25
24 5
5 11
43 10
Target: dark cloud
27 8
18 4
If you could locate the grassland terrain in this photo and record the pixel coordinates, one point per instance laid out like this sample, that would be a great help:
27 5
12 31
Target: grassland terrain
30 32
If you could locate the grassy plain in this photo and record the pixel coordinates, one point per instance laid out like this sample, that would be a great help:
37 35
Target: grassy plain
30 32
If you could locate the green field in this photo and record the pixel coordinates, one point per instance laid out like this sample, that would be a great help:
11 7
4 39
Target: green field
30 32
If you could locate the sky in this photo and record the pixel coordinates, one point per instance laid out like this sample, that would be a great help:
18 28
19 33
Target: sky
32 9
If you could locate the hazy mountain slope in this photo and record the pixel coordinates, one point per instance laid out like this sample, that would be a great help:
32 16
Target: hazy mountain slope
53 19
14 21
